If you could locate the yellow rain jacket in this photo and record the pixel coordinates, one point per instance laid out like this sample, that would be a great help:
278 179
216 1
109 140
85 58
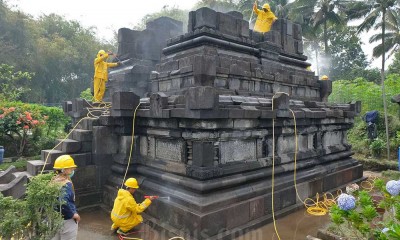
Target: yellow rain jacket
264 19
126 212
101 75
101 66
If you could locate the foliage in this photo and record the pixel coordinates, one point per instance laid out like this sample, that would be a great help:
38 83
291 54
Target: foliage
37 138
18 125
166 11
376 164
60 52
320 13
391 174
367 220
33 217
346 53
369 93
12 84
377 147
395 66
87 94
392 35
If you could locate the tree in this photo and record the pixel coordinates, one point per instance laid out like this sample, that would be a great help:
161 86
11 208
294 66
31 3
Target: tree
346 53
12 83
372 11
392 36
320 12
166 11
395 66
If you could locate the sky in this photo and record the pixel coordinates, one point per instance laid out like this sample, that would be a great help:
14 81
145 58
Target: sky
109 16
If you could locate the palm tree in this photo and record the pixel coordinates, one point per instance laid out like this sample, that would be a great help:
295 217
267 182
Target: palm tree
320 12
375 13
392 37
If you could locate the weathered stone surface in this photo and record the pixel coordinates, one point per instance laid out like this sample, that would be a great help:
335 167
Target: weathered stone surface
203 154
125 100
233 151
34 167
201 98
204 17
158 102
170 150
281 101
7 175
104 140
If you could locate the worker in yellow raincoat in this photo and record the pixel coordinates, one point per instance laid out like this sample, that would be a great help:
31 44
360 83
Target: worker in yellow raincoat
101 74
126 212
265 18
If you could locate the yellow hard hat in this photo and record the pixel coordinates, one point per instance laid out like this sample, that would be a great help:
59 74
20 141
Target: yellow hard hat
131 183
64 161
266 6
324 77
101 52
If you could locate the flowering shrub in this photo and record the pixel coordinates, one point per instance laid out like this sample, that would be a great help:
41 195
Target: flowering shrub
18 125
368 214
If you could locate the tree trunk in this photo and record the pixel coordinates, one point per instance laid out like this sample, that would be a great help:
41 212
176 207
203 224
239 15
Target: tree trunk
326 37
383 83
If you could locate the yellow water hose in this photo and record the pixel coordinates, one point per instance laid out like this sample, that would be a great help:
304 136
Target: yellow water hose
132 144
273 172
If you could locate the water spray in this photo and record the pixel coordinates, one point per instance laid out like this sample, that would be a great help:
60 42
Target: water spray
156 197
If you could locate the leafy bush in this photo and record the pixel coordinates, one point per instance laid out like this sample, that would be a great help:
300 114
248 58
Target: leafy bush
87 94
361 215
38 137
377 147
18 125
357 136
33 217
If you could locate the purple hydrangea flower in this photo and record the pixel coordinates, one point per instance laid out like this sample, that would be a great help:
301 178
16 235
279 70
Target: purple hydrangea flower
393 187
346 202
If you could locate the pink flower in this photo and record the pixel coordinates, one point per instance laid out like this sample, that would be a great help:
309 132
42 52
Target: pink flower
35 122
18 122
1 116
26 127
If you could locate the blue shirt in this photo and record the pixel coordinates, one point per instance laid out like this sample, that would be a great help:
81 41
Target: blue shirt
68 208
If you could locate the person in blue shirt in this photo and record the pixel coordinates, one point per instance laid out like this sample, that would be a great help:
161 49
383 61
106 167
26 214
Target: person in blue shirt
65 168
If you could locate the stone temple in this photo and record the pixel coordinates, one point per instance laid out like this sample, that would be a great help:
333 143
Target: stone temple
204 131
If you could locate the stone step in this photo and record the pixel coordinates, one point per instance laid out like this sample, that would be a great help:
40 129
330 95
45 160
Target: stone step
69 145
81 159
82 135
52 155
7 175
16 188
35 166
25 173
87 124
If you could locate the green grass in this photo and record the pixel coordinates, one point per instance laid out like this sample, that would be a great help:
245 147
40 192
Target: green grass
375 164
20 164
